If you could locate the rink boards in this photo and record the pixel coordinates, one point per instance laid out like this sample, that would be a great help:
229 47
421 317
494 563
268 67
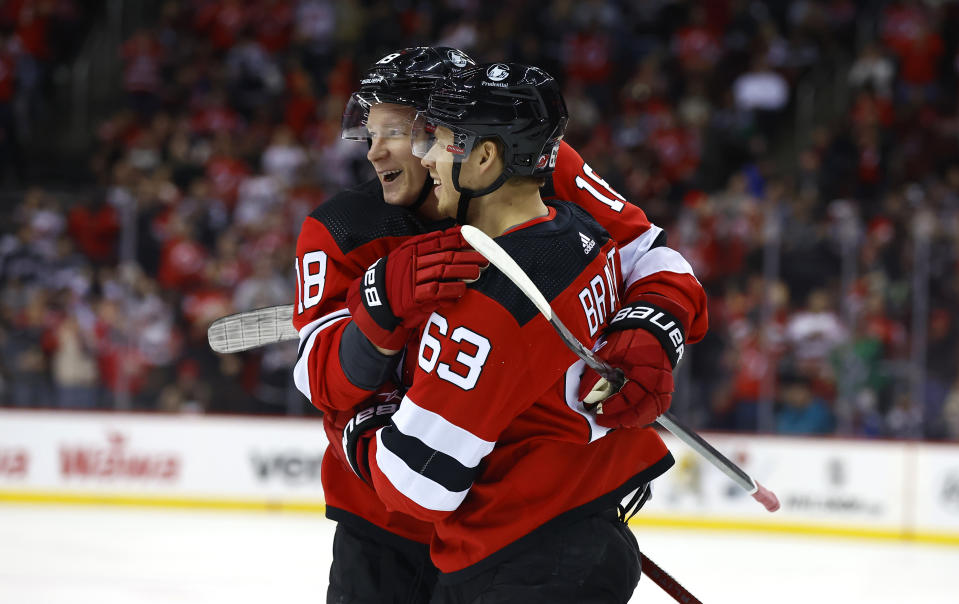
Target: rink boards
887 489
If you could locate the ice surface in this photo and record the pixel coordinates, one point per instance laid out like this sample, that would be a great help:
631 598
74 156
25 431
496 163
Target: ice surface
78 555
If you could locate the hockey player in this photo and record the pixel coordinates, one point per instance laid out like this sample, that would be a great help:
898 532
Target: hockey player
491 442
379 555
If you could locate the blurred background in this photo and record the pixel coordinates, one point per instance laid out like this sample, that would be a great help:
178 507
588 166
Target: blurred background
157 160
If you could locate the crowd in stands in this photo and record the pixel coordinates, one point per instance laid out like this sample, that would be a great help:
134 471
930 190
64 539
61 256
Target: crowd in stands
809 242
35 37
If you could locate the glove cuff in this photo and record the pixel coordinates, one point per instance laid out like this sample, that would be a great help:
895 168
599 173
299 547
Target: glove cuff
362 424
658 321
371 317
374 298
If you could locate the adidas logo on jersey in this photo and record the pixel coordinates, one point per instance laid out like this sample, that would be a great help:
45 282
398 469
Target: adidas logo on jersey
587 243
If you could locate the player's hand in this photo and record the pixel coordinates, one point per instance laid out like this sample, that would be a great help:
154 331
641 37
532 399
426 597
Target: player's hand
648 390
646 341
398 292
349 431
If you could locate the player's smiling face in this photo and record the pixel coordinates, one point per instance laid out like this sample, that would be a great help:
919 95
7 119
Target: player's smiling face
400 173
439 162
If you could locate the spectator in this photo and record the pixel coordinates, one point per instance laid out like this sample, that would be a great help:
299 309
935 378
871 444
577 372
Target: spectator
264 287
761 88
813 334
253 77
222 21
95 227
187 394
283 158
183 258
27 360
873 70
142 66
11 161
801 412
21 261
942 363
122 368
73 365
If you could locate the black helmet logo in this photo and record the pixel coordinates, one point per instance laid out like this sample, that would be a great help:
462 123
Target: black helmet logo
458 59
497 72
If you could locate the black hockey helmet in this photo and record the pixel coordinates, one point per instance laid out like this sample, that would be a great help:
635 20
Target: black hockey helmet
405 77
520 106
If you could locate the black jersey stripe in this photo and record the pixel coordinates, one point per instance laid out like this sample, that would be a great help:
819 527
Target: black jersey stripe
428 462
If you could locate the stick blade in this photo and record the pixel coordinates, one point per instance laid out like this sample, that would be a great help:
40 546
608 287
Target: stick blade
253 328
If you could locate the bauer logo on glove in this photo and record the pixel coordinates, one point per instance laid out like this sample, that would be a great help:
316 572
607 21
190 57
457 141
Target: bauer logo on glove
370 291
667 329
363 426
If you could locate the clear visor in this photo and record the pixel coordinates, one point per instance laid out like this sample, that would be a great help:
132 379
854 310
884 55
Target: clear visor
427 134
356 119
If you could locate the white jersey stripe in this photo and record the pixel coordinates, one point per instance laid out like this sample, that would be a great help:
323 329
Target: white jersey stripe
573 375
631 253
418 488
656 260
638 261
438 433
301 372
645 241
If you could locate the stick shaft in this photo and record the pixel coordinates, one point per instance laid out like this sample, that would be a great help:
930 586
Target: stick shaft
698 444
665 581
495 254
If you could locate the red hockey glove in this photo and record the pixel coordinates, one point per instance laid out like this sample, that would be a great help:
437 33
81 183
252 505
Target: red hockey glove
399 291
350 431
646 341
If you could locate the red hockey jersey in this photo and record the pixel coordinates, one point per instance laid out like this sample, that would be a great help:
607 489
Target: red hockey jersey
341 238
490 442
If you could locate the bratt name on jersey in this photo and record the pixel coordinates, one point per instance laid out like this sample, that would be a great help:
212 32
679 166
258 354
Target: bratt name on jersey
601 296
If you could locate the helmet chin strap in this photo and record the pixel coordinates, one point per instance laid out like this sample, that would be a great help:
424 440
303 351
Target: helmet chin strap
424 193
467 195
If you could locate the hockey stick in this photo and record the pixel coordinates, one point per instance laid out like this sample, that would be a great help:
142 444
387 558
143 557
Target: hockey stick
253 328
501 260
666 582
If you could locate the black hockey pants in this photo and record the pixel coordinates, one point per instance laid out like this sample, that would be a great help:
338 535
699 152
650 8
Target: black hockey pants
379 569
592 561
